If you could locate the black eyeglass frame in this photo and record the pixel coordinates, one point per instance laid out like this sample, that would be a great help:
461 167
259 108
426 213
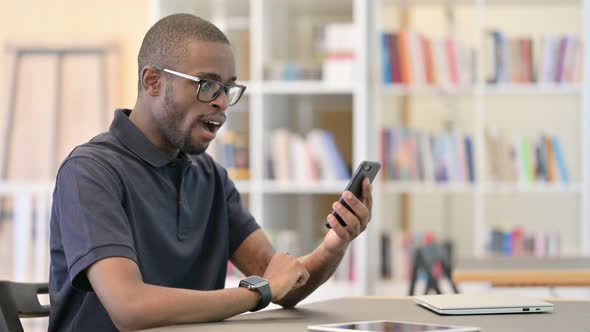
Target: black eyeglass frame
200 81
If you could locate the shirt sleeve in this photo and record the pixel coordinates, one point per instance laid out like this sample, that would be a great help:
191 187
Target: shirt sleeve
241 221
92 221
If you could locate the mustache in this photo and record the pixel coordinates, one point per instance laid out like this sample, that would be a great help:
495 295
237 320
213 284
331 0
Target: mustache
219 115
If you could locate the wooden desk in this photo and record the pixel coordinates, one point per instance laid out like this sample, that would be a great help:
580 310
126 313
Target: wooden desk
568 316
524 271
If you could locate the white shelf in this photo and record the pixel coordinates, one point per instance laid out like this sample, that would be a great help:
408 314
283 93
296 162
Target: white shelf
435 91
534 2
487 2
401 187
14 187
429 2
532 89
305 87
291 187
491 90
573 188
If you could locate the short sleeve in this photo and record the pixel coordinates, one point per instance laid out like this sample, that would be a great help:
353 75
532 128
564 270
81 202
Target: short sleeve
92 221
241 221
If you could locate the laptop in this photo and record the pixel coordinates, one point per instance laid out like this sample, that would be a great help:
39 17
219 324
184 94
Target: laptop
476 304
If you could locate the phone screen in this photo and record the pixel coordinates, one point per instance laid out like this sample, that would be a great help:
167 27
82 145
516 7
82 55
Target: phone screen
366 169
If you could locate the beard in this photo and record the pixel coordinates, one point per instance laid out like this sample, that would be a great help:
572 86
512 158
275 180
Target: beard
170 123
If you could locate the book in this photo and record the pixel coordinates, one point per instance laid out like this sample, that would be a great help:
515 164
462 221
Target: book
281 157
386 57
408 154
232 152
518 241
409 57
525 160
559 160
512 59
311 158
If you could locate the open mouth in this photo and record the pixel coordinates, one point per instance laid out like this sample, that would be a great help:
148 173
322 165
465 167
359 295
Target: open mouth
212 126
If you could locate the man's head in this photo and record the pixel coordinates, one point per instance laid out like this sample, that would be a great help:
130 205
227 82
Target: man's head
186 44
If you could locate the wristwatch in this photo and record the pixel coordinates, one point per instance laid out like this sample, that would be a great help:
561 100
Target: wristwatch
260 285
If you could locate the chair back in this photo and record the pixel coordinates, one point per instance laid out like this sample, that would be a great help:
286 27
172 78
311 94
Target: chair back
19 300
424 260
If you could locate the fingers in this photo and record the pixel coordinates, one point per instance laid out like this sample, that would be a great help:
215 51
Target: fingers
341 231
351 220
303 278
284 273
359 215
360 209
367 195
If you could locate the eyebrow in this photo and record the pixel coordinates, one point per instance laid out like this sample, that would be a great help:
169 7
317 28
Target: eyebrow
214 76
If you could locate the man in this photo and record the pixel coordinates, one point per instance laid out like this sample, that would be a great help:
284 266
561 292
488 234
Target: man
143 221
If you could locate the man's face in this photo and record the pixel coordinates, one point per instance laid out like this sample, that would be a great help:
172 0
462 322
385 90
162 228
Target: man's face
185 122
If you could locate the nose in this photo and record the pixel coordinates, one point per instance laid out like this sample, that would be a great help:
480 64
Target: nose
221 102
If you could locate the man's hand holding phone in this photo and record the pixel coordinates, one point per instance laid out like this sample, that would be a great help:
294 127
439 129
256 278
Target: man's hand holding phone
353 211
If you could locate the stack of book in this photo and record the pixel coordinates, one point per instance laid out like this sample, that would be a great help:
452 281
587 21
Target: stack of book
516 242
312 158
338 46
410 58
554 60
410 155
231 151
525 160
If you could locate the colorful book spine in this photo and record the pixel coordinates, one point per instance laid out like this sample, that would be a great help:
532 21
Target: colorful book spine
526 160
513 60
386 58
411 155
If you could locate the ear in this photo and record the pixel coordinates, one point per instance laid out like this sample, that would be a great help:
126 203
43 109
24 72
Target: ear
151 80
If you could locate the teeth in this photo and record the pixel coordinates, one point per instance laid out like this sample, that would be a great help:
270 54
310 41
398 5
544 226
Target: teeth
214 123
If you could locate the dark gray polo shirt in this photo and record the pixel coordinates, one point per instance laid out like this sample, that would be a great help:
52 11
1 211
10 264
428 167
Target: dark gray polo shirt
118 195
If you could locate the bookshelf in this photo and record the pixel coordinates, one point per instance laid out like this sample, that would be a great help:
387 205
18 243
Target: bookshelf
506 90
285 91
467 212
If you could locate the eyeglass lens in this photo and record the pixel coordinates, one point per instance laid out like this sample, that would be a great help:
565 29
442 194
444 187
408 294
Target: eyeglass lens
210 90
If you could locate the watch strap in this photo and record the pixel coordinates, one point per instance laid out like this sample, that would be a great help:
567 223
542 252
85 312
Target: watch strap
266 296
263 290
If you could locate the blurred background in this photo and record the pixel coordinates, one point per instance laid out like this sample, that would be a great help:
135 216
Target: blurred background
477 110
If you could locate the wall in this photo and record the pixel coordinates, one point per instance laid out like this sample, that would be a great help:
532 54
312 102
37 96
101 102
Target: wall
67 23
80 22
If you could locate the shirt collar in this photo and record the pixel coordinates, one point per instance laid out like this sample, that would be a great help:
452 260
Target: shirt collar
133 139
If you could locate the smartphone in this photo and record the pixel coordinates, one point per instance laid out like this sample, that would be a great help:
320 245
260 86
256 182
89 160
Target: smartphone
366 169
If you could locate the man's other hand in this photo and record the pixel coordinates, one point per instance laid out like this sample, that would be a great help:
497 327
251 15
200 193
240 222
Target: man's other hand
284 273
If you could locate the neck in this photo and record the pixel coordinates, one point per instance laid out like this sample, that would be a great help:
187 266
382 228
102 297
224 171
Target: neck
142 117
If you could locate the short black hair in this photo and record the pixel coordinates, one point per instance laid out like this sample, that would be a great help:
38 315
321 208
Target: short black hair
166 42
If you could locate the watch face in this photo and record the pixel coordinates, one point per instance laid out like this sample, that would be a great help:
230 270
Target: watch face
255 281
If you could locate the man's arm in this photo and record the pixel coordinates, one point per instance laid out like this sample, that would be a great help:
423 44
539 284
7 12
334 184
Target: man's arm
133 304
254 253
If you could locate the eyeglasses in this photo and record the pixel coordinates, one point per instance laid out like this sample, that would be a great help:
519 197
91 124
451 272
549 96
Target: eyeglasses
208 90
